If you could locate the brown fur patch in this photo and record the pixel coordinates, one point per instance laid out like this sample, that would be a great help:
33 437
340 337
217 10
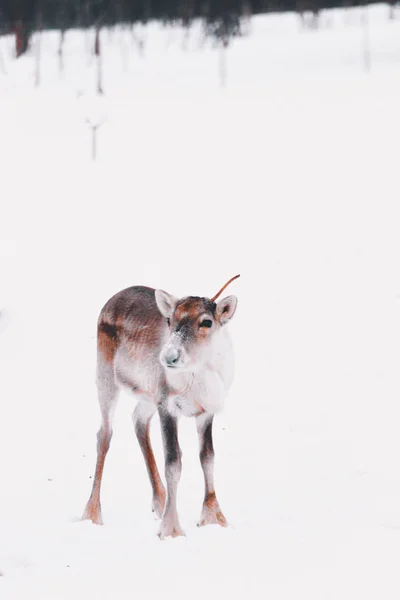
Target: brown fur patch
157 485
159 494
192 307
107 340
210 500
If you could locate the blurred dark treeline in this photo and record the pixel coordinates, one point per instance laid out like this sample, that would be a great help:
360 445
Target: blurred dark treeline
222 18
65 14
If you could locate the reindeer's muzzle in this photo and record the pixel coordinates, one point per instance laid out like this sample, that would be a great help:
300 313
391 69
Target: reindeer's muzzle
171 358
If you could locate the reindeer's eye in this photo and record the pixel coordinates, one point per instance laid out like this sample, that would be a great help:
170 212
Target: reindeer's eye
206 323
168 322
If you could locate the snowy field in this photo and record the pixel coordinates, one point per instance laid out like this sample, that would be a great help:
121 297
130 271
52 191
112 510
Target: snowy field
287 174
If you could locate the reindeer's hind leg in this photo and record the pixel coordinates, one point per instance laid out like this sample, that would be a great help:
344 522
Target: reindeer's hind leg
141 420
108 396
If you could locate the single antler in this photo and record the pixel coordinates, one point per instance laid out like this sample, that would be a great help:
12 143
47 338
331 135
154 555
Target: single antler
222 289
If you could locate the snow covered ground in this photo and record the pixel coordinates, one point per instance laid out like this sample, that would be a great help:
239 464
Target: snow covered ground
287 175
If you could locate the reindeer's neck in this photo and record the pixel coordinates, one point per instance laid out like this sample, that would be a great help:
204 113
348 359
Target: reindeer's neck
204 389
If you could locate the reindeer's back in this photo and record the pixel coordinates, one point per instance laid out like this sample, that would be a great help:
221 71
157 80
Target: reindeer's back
131 319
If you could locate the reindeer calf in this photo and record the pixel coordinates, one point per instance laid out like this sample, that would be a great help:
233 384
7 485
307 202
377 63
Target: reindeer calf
176 357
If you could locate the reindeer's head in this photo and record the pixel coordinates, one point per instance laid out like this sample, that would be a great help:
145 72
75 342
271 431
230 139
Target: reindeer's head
194 324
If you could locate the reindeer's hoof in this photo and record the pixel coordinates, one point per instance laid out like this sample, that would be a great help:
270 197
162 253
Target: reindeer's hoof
170 529
93 513
217 519
212 514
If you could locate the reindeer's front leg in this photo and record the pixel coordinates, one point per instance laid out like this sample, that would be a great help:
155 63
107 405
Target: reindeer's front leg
170 525
211 512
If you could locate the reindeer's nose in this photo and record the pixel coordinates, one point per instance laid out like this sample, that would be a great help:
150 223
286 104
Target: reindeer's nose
171 357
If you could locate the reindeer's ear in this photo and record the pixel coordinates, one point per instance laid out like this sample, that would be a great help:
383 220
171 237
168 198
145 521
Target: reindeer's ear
226 309
166 303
